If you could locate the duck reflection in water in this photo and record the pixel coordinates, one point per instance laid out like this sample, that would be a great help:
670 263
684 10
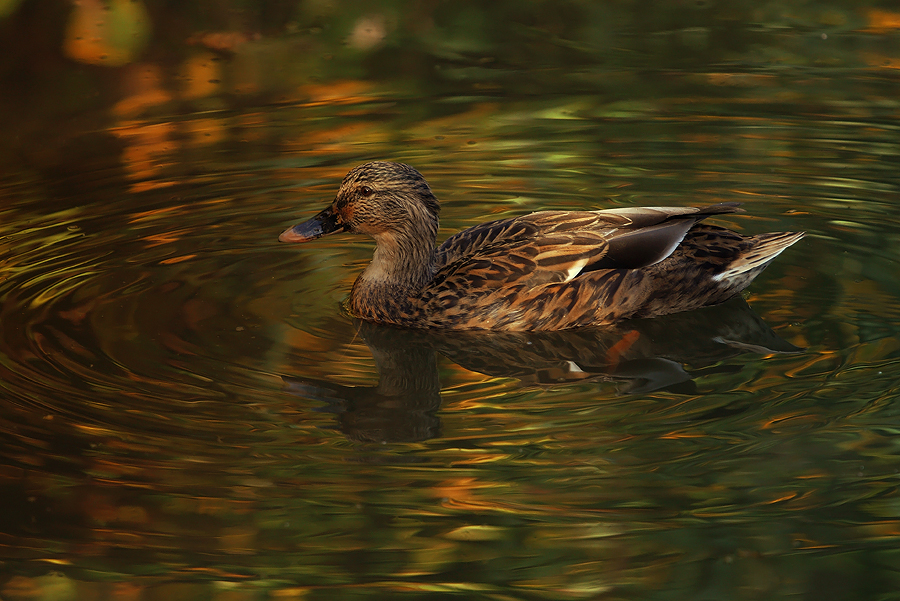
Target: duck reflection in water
639 356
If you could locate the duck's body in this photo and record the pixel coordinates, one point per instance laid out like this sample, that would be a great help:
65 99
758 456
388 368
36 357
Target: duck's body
550 270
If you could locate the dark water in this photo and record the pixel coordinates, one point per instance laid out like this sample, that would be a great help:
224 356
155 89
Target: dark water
187 411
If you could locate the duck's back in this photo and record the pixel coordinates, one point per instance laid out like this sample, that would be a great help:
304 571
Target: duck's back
559 269
660 228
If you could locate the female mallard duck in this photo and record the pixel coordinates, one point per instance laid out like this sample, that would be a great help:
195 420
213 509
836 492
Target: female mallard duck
550 270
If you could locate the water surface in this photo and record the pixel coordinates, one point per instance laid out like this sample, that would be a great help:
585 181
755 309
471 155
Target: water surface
186 408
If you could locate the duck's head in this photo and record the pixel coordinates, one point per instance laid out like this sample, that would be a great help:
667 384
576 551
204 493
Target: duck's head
384 200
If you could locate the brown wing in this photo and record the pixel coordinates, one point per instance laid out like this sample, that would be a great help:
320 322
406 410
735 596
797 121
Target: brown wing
557 246
496 272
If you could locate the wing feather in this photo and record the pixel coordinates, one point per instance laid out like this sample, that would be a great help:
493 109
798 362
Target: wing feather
559 246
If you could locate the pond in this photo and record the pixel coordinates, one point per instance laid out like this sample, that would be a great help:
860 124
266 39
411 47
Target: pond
188 410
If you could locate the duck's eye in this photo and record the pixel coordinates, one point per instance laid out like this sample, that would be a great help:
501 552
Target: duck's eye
366 191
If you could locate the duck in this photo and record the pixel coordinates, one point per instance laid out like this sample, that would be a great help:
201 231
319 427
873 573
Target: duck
544 271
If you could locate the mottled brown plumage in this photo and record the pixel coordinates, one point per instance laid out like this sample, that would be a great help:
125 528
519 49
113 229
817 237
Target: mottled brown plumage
550 270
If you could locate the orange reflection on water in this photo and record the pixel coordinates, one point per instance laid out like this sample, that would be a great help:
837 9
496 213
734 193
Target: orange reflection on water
147 147
201 76
107 32
164 237
460 490
174 260
205 131
681 435
337 140
793 418
338 92
882 21
143 88
884 529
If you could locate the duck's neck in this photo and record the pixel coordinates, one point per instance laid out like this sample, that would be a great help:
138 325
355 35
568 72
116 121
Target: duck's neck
400 268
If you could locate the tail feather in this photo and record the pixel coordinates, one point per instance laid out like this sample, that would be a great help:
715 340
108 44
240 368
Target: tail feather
750 263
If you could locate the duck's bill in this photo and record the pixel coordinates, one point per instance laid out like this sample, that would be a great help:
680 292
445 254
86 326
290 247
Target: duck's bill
322 224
